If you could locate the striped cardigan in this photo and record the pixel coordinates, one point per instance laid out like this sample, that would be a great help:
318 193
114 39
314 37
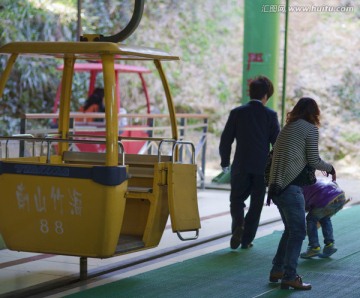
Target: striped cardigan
296 146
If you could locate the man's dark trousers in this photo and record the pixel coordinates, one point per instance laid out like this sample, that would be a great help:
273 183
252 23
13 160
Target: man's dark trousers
244 185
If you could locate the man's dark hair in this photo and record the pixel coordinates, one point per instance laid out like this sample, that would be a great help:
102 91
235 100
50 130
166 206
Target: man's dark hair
260 86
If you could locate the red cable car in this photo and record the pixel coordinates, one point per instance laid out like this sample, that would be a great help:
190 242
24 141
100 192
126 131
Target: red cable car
94 69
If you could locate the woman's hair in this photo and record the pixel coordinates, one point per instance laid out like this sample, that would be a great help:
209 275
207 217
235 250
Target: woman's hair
95 98
307 109
260 86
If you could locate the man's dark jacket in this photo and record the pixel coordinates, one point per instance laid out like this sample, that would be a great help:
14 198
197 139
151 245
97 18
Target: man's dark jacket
255 127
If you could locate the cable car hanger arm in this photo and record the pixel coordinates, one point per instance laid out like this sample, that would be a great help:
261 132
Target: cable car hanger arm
126 32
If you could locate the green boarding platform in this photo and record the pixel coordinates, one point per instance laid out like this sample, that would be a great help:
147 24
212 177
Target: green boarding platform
222 178
244 273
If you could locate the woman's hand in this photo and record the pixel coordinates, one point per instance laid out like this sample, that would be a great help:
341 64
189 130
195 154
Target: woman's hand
333 177
333 174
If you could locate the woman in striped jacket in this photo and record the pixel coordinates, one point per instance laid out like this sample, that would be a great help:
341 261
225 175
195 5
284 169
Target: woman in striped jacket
296 149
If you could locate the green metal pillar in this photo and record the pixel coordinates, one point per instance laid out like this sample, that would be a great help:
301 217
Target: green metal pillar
261 45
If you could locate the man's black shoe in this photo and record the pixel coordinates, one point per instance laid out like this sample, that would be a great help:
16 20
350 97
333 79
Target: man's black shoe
236 238
246 246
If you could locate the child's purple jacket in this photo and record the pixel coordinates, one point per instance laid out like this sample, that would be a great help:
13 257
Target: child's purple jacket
320 194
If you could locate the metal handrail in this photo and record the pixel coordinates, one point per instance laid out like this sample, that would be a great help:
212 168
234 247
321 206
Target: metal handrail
26 136
50 140
120 137
185 128
190 238
177 143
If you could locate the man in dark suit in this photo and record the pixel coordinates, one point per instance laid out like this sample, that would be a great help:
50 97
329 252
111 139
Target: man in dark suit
255 127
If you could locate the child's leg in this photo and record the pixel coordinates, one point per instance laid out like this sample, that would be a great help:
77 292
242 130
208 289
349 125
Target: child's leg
312 231
313 249
327 230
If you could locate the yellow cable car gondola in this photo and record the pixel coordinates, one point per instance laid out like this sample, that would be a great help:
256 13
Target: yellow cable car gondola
91 204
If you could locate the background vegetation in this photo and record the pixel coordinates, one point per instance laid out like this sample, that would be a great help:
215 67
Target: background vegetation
207 35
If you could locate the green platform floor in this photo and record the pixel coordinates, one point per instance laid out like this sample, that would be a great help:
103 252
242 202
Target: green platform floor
244 273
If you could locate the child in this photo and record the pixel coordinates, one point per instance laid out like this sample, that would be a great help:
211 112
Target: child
322 200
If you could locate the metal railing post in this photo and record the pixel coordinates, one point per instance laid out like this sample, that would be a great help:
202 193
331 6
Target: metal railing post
182 136
83 268
22 131
203 157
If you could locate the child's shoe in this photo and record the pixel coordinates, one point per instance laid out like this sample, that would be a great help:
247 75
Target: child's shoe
328 250
311 252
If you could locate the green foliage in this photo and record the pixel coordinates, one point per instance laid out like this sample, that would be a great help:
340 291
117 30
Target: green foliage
223 90
197 31
27 91
26 21
105 17
352 137
348 92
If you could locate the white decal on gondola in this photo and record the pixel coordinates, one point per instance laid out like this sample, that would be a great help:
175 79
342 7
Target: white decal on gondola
57 198
76 202
22 197
59 227
40 201
45 228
